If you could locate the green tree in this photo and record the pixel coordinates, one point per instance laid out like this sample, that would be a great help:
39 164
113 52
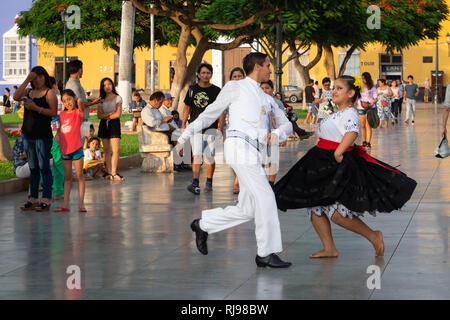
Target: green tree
201 22
403 24
100 20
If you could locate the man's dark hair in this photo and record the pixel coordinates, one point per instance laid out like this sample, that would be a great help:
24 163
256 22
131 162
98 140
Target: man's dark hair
311 81
325 80
205 65
251 59
410 76
15 87
74 66
269 82
157 95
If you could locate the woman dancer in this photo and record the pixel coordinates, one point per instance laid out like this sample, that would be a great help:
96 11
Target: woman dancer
339 181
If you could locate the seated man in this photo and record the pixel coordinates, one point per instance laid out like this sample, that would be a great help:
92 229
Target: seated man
20 162
153 118
135 106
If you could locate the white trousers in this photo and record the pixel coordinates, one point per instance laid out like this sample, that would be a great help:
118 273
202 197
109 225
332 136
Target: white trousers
256 200
410 106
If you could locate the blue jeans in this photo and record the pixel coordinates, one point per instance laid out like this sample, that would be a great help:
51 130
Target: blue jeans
38 154
410 106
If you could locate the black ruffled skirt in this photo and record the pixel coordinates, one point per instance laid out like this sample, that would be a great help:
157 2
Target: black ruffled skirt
317 180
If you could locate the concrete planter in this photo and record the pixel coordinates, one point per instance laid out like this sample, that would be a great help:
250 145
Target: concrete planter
19 184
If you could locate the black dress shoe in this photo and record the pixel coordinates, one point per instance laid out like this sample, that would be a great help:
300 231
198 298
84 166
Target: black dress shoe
272 261
200 237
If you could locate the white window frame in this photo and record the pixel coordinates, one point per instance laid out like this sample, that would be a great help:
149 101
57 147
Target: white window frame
13 69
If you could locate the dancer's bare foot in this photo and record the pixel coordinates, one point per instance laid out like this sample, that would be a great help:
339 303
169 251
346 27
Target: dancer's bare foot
379 244
324 254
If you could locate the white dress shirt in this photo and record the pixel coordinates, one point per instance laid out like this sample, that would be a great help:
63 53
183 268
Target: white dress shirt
152 117
248 108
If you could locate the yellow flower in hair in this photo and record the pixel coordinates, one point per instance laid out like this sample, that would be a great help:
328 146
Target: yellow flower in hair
358 82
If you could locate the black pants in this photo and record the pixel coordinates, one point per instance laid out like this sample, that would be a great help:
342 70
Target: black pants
395 107
299 131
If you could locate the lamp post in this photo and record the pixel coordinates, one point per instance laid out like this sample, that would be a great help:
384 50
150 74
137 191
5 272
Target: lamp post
64 20
278 69
152 48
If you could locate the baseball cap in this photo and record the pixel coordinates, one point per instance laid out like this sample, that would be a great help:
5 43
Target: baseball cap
167 96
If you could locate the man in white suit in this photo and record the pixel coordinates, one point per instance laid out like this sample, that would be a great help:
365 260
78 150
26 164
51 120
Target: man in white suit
255 121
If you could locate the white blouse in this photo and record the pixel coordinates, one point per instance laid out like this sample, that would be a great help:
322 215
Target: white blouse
335 126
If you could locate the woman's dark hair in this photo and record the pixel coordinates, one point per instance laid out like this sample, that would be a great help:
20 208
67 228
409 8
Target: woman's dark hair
368 79
237 69
102 87
40 71
205 65
325 80
251 59
7 89
350 83
91 127
382 80
269 82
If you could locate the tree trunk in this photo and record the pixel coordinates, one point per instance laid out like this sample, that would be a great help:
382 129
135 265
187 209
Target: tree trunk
5 147
126 52
348 55
180 66
191 69
303 71
329 62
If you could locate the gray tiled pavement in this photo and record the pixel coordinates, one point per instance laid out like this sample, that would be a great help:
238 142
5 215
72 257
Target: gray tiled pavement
135 241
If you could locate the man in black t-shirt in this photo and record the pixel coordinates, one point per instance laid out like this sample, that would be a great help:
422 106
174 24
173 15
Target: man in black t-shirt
198 98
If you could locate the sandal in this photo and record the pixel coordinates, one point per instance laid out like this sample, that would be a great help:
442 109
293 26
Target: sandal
106 176
29 206
113 177
236 188
43 207
82 209
61 209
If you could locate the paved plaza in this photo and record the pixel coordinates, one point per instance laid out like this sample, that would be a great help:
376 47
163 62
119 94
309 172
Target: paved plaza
135 241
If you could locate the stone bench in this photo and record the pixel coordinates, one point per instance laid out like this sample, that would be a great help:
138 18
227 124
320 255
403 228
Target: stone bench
155 150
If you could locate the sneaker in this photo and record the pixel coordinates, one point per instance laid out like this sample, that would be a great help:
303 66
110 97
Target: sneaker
194 189
208 186
412 122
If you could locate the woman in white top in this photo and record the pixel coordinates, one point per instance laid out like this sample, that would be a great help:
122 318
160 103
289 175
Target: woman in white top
338 181
109 112
395 101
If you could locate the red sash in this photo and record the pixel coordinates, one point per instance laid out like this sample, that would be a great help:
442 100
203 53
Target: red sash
362 152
